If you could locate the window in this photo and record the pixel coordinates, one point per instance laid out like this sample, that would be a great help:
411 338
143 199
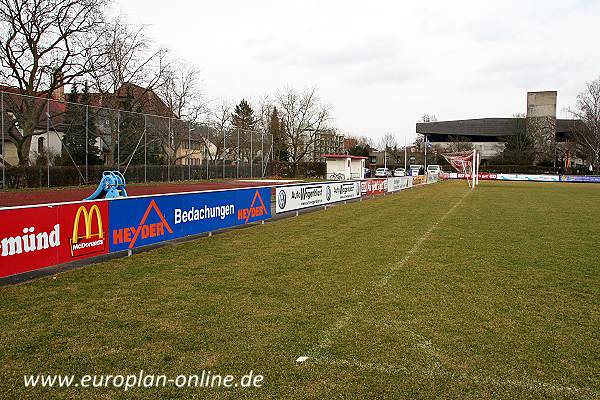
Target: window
40 148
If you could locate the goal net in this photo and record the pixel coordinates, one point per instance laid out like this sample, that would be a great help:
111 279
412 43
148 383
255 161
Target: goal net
467 163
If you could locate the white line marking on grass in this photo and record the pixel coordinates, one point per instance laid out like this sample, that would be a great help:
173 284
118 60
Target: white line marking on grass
328 336
530 385
437 367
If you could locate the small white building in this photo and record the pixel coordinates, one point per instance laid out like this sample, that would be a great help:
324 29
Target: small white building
344 166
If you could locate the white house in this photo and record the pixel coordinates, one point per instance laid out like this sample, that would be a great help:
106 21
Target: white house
344 166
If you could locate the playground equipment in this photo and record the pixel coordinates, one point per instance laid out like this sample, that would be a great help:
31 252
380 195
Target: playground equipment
112 185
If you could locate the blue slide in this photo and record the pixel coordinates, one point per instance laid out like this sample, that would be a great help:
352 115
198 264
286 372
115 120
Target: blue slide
111 186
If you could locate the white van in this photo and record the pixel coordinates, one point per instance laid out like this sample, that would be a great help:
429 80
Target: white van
433 169
415 169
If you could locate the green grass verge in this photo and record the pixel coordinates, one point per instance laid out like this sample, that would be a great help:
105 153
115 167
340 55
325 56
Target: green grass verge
392 298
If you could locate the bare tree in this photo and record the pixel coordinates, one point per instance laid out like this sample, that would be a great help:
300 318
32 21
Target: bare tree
180 91
127 74
457 144
388 141
44 45
587 131
218 130
428 118
303 118
543 132
394 152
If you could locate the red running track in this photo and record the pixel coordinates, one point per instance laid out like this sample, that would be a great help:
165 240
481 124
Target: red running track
56 195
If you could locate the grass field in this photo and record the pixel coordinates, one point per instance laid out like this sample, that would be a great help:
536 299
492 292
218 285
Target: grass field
435 292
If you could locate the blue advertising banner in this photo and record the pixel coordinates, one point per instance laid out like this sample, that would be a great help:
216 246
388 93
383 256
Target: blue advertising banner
580 178
140 221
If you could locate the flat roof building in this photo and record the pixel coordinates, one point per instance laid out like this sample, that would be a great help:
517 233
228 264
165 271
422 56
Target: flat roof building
488 135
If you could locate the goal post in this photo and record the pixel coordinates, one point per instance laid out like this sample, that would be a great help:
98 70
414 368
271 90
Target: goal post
466 163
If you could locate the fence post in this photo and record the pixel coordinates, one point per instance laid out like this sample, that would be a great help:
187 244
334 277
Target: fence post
237 173
118 140
3 142
47 140
145 148
168 155
262 155
272 154
87 115
224 151
207 152
189 151
251 155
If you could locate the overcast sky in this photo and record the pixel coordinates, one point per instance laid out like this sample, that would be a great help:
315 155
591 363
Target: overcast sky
382 64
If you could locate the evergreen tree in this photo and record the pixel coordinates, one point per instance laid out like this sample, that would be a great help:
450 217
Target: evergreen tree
243 117
76 123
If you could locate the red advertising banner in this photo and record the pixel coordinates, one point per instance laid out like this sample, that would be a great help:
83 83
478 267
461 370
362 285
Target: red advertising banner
370 187
36 237
482 176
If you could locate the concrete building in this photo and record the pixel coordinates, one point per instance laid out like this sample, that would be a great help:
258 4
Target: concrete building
488 135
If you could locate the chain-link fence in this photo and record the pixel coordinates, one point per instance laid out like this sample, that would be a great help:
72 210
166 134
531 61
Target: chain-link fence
45 142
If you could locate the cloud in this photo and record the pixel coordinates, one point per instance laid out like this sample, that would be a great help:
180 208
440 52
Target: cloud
331 52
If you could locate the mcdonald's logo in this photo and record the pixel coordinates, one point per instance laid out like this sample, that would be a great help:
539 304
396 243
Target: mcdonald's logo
91 240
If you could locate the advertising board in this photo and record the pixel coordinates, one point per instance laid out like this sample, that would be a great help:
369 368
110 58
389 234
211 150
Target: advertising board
432 178
145 220
295 197
418 180
369 187
398 183
528 177
580 178
36 237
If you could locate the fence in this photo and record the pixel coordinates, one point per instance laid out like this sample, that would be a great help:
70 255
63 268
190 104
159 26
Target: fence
46 142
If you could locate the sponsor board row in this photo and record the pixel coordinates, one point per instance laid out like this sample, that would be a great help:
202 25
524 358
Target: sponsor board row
36 237
526 177
295 197
504 177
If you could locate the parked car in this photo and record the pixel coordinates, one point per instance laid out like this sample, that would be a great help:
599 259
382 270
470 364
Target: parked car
416 169
367 173
434 169
382 173
399 172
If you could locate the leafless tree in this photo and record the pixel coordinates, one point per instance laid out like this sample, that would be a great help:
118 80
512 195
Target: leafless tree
543 133
457 144
127 75
180 91
218 130
428 118
394 152
45 44
587 131
303 118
